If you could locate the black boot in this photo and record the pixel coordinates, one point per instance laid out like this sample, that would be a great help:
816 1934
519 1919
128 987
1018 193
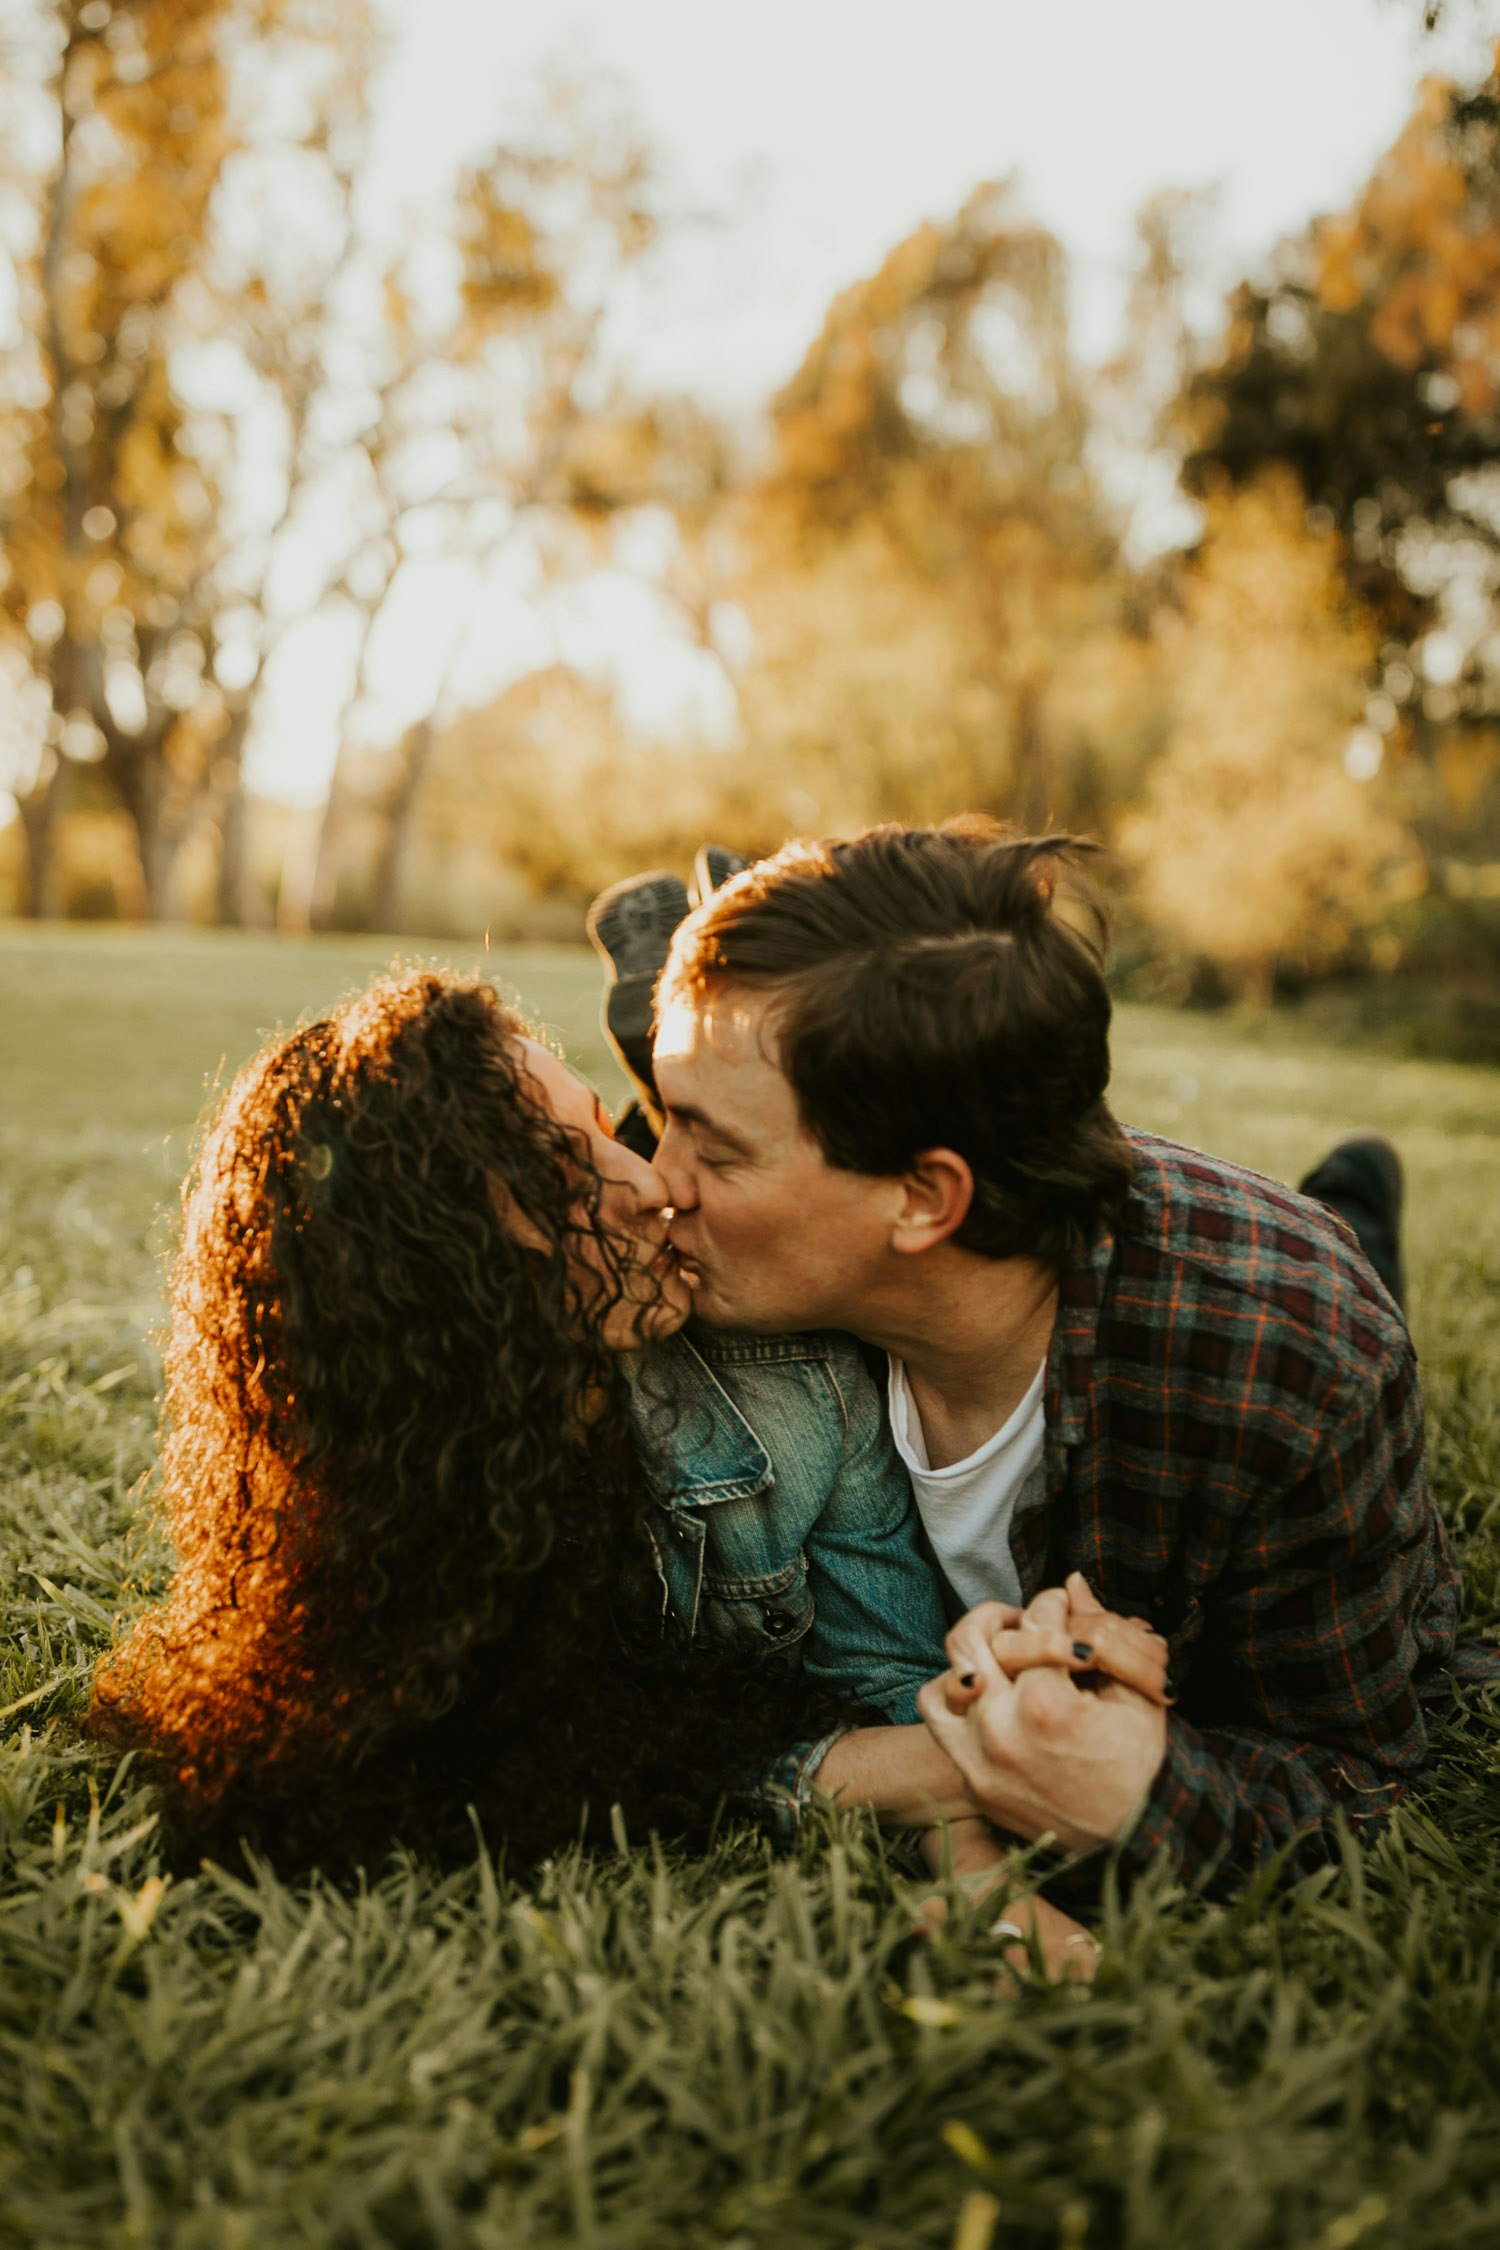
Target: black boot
712 868
1362 1181
630 926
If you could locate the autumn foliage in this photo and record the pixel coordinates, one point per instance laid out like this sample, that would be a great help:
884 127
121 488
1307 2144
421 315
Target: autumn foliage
233 413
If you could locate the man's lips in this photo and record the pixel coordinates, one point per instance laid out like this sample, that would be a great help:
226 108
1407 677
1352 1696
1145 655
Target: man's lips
689 1264
669 1259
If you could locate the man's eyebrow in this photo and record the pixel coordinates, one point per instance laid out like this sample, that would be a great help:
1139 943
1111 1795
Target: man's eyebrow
692 1116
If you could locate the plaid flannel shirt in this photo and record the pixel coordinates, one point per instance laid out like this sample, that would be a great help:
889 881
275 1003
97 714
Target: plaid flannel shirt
1234 1451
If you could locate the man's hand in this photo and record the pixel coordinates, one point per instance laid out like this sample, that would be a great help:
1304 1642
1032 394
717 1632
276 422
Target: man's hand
1039 1754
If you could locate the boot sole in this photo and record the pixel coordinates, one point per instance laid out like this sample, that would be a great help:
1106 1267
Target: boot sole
630 926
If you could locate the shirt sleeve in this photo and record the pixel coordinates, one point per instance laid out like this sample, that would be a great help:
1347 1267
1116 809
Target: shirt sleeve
1339 1595
878 1626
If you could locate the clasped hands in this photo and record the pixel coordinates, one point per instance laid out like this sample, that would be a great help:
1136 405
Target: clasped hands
1055 1715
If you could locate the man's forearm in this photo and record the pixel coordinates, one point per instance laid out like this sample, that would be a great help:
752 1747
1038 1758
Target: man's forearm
898 1773
1225 1800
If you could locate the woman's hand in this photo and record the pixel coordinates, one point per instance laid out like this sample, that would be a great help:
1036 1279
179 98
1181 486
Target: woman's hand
1082 1638
1039 1753
1069 1952
979 1865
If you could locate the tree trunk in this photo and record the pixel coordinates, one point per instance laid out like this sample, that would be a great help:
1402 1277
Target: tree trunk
1033 792
232 896
1259 981
414 756
41 900
157 855
231 890
136 769
309 889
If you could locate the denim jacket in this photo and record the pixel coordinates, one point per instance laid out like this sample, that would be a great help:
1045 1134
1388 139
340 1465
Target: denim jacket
785 1522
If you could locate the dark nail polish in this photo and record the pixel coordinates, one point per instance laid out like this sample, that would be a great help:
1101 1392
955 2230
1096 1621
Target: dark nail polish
967 1679
1084 1651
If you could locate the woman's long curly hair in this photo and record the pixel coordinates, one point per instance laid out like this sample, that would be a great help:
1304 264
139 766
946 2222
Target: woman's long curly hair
398 1474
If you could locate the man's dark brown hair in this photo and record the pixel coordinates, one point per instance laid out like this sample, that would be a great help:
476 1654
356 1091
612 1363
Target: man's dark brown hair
930 995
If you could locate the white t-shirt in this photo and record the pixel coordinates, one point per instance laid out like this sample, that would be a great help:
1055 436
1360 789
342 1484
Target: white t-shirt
966 1509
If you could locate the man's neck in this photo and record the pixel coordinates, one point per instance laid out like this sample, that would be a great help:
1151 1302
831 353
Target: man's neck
971 1333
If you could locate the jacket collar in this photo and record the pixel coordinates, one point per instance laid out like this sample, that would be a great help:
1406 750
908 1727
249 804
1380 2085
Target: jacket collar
695 1445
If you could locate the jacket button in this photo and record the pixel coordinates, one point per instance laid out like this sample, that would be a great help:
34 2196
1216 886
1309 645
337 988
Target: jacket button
777 1622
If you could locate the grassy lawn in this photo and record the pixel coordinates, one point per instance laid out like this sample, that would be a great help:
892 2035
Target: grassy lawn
641 2051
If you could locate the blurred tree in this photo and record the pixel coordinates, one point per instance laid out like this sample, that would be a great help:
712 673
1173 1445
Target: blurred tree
229 408
499 437
930 518
1368 361
856 704
549 782
1264 837
176 182
1137 395
1432 14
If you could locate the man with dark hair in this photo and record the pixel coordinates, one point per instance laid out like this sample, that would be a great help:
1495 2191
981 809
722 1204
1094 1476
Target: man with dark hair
1129 1381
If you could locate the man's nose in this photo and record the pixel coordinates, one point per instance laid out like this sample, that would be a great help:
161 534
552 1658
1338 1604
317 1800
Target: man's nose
674 1170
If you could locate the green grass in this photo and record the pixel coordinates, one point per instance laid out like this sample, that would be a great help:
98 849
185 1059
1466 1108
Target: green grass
639 2049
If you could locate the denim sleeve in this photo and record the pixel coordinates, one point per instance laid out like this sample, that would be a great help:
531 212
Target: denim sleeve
779 1797
878 1625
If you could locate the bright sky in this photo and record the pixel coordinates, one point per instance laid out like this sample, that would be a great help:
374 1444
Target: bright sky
821 131
829 128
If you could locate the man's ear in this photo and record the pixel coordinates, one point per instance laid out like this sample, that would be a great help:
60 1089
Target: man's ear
936 1195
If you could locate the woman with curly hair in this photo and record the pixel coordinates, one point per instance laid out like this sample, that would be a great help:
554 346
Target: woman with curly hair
460 1519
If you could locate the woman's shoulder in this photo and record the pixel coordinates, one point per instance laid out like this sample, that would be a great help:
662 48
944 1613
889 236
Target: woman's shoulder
777 1391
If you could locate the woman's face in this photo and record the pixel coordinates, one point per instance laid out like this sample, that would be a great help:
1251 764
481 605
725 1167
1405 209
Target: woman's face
640 1279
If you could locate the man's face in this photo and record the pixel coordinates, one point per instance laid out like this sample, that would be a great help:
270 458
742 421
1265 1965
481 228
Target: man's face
779 1238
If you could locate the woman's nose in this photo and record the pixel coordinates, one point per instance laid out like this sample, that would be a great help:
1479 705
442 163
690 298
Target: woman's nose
642 1177
658 1194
